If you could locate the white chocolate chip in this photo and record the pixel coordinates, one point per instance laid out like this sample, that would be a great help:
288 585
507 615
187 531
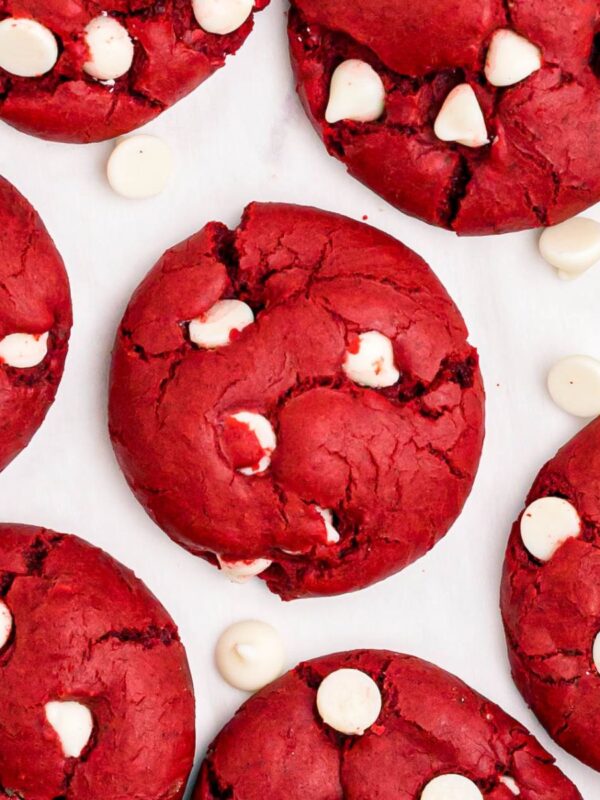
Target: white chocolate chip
333 535
250 655
510 784
214 328
242 571
451 787
349 701
27 48
6 624
73 723
356 93
24 350
373 362
110 47
572 247
596 652
511 58
546 524
140 166
222 16
263 430
574 385
461 119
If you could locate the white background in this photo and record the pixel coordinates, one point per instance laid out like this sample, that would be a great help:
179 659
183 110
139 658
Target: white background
243 136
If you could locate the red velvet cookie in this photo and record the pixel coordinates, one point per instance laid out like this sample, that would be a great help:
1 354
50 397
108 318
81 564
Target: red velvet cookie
95 690
551 596
479 117
83 71
433 739
35 322
297 398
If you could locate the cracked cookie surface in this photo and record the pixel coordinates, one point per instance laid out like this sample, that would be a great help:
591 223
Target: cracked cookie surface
361 481
86 630
551 609
431 724
35 303
540 164
172 55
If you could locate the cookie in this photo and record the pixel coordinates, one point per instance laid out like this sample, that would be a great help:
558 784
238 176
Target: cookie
297 399
95 689
84 72
35 322
464 119
550 599
428 737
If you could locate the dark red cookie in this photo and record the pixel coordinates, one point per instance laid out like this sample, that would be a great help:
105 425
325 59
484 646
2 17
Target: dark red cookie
35 322
162 47
386 470
431 725
539 166
551 607
84 630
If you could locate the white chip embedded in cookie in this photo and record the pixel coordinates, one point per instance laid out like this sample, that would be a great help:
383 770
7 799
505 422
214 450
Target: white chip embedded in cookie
574 385
242 571
461 119
222 16
250 655
356 93
370 361
349 701
6 624
27 48
140 166
216 326
23 350
263 430
110 48
546 524
451 787
73 724
333 535
511 58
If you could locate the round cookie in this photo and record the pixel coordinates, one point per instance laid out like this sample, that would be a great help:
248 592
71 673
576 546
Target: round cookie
463 118
78 71
239 414
550 597
95 690
434 739
35 322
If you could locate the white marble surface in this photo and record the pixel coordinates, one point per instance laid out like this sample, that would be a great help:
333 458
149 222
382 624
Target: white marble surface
243 136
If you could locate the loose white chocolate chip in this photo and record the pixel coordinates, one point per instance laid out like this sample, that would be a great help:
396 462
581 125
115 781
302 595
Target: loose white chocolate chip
511 58
24 350
461 119
214 328
574 385
572 247
596 652
140 166
356 93
110 47
6 624
546 524
27 48
73 723
373 362
333 535
349 701
263 430
510 784
222 16
242 571
250 655
451 787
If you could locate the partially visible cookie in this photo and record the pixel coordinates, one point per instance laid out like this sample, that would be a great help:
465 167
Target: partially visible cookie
95 690
78 71
35 322
551 596
427 736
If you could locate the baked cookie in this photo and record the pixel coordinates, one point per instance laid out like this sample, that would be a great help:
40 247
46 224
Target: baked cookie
83 71
95 690
461 114
376 724
35 322
297 399
550 596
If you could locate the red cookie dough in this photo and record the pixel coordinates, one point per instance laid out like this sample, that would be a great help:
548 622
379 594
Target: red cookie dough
394 465
87 630
541 166
431 724
173 55
551 610
34 299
